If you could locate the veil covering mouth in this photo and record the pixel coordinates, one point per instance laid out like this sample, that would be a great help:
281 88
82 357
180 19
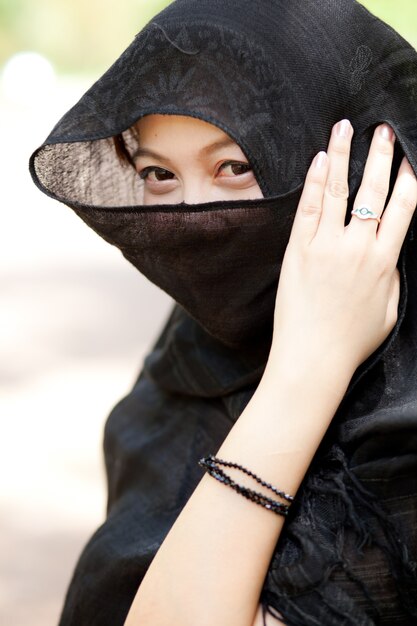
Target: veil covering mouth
275 76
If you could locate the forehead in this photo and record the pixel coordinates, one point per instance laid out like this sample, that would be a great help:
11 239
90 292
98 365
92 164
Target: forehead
159 126
182 137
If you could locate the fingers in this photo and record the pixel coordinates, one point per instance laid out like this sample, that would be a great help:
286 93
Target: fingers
325 194
374 188
309 209
398 214
322 207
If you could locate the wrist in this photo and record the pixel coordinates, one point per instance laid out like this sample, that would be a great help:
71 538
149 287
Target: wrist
285 421
306 382
320 366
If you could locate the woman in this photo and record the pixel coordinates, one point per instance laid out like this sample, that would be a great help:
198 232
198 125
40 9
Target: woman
194 155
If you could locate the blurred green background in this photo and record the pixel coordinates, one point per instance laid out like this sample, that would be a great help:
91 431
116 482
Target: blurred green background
77 36
80 36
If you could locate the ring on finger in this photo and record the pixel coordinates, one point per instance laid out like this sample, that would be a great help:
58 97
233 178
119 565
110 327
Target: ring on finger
365 213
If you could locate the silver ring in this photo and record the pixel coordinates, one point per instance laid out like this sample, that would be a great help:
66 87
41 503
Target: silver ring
365 213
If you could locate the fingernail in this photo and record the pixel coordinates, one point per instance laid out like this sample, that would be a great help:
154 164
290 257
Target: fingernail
321 159
386 132
343 128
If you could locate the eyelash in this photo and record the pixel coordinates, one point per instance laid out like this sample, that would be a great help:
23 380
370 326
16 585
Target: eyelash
143 174
238 163
152 168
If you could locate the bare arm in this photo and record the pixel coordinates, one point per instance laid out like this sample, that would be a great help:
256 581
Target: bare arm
221 543
212 564
210 568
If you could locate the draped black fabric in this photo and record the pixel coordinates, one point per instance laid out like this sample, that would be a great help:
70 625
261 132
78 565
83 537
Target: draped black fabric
275 75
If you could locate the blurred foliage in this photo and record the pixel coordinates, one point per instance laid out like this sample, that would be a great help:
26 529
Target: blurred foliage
400 14
82 36
87 35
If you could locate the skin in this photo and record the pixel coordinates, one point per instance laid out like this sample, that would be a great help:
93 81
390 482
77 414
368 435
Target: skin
220 546
192 161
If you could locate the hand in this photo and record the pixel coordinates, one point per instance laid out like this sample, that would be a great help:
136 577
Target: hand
338 291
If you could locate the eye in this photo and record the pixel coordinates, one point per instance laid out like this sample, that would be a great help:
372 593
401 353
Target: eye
234 168
154 174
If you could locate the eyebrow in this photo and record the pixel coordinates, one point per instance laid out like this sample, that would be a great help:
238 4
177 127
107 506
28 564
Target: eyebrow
204 152
217 145
145 152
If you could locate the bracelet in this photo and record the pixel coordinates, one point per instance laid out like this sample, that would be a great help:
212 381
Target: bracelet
210 464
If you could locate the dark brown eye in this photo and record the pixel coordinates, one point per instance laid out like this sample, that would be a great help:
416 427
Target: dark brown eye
235 167
156 173
240 168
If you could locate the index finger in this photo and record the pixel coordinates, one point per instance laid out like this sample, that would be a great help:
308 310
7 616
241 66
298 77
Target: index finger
309 208
398 214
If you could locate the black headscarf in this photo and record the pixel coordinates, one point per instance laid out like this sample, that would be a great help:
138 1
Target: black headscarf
275 75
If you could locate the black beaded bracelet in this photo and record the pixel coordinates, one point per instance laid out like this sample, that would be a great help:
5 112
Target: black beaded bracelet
210 463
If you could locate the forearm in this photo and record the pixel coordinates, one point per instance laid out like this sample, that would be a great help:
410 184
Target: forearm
212 564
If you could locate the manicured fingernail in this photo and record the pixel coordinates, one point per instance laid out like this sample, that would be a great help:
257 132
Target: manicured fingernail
320 160
343 128
386 132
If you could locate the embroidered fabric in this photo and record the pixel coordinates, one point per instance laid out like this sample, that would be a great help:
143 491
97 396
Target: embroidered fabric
275 76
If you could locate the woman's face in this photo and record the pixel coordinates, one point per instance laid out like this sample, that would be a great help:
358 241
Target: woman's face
183 159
